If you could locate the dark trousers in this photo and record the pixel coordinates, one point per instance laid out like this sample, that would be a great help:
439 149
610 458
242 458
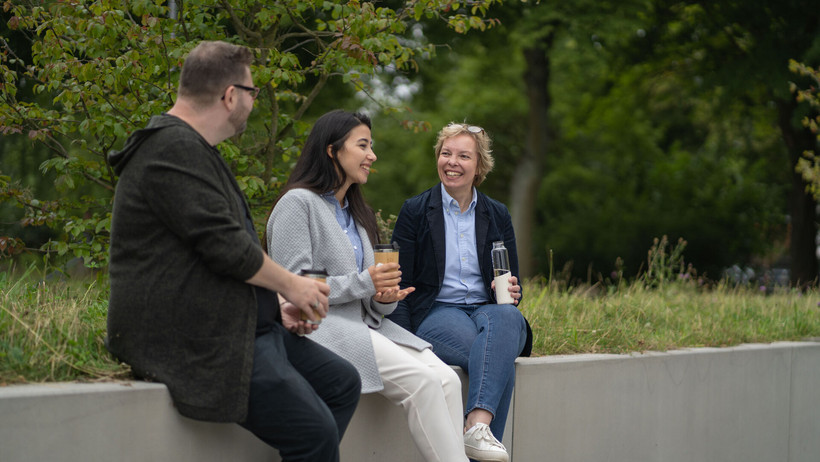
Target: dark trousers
302 396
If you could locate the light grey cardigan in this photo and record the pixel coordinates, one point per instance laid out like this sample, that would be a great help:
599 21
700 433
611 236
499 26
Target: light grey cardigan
303 233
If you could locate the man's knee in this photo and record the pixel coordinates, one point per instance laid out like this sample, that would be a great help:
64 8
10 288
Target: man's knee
315 437
347 380
349 374
322 431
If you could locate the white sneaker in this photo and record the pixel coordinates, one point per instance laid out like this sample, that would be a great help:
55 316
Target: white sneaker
481 445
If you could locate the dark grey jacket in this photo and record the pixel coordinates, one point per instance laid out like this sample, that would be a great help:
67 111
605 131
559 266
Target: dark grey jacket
180 312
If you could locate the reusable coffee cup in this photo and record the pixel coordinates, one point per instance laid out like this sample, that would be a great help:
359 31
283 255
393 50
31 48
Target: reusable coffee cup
386 253
319 275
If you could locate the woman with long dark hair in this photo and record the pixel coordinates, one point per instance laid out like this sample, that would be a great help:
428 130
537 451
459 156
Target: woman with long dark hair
321 221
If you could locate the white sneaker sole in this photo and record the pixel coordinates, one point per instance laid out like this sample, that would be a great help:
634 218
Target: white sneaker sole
486 456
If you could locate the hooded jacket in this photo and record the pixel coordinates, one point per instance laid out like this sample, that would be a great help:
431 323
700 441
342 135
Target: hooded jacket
180 311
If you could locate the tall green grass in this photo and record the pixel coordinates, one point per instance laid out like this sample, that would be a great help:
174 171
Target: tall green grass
54 331
636 318
667 306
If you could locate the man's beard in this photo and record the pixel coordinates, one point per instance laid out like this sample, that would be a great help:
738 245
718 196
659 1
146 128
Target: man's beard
239 120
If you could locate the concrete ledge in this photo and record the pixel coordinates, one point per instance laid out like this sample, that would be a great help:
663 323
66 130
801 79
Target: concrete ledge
747 403
130 421
751 403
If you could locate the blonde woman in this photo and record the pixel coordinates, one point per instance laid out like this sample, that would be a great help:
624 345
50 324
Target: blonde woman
445 235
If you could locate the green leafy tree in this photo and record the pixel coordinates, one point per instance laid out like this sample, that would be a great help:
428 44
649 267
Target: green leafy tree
633 144
809 164
503 80
739 51
94 71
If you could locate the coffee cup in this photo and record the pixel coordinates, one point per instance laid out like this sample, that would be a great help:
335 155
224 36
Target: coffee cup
319 275
385 253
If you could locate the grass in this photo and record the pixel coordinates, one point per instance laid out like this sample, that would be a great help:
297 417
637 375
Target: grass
54 331
678 315
51 332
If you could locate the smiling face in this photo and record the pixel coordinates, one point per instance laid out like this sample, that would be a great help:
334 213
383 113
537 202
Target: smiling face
457 163
356 156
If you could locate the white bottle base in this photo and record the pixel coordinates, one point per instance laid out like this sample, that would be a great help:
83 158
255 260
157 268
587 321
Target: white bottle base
502 292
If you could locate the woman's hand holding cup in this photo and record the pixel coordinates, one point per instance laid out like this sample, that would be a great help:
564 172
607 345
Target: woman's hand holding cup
385 276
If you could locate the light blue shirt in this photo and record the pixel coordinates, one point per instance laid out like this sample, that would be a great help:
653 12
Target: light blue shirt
348 226
462 276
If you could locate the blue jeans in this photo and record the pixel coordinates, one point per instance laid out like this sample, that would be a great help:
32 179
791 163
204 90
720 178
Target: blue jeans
484 340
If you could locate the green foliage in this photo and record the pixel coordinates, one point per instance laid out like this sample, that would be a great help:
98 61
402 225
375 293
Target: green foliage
665 263
636 318
654 141
665 116
385 225
642 141
809 164
53 331
92 72
736 53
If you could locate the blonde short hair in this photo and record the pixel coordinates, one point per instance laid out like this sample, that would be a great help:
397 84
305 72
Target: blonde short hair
482 142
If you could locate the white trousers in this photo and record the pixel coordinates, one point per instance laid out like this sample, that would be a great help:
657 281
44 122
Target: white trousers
430 393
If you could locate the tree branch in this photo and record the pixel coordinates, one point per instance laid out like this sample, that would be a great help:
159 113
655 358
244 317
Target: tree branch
240 26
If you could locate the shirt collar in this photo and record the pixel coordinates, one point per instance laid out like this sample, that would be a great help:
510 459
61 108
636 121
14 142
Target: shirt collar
448 200
330 196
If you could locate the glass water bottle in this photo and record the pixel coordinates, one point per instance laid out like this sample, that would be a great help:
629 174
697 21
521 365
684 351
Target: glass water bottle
501 273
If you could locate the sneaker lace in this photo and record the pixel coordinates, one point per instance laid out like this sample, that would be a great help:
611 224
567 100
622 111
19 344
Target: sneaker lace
484 433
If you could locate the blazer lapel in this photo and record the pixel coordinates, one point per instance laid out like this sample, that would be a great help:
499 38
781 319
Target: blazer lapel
482 225
435 216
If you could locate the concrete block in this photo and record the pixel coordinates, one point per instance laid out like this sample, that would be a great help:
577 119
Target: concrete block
124 422
379 432
136 421
804 424
751 403
708 404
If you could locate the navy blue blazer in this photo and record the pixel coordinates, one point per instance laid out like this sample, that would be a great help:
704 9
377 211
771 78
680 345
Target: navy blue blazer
419 232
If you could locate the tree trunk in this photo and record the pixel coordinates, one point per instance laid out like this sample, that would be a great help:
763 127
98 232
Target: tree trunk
802 207
529 171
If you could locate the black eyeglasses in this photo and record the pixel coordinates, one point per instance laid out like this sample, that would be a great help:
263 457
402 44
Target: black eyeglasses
470 128
254 91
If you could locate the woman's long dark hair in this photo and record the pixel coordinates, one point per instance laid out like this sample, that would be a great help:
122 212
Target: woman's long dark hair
320 173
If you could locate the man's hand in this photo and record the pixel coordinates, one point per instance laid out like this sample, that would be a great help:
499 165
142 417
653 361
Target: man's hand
291 319
308 295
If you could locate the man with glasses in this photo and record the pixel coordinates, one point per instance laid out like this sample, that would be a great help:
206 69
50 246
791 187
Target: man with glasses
193 296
